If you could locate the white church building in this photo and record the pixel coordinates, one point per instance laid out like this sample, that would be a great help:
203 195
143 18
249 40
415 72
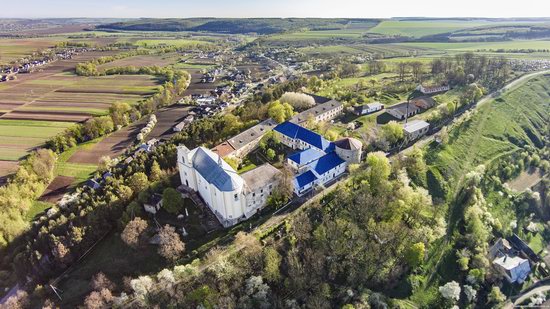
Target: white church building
232 197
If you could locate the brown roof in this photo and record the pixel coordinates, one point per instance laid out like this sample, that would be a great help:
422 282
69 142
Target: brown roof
223 149
349 143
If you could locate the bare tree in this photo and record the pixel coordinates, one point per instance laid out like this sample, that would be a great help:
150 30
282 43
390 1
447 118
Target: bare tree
171 247
133 232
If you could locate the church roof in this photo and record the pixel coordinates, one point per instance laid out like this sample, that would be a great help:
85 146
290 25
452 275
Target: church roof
215 170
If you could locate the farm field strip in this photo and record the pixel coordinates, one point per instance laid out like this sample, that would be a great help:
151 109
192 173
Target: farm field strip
422 28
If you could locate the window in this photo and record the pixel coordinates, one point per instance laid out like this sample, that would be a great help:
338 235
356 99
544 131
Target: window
270 187
262 191
254 194
236 196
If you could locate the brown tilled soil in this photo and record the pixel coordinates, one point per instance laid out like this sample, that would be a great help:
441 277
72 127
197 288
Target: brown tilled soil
49 116
7 168
525 180
57 188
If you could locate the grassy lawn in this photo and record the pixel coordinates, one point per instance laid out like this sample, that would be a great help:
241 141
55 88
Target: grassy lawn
36 209
473 46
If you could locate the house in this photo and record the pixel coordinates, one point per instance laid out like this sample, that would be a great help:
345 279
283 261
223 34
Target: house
403 110
106 175
320 112
231 197
432 90
367 108
154 204
245 142
92 184
424 102
415 129
514 268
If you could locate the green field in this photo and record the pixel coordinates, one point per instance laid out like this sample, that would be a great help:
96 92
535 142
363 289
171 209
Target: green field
19 136
168 42
423 27
473 46
497 128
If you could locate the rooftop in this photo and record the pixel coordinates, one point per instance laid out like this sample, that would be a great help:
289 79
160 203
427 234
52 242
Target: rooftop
316 110
509 262
223 149
401 108
306 156
415 125
252 134
349 143
305 179
260 176
295 131
215 170
326 163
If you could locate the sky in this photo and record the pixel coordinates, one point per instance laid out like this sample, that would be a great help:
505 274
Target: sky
274 8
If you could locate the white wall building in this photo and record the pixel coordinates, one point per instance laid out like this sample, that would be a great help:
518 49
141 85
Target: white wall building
225 192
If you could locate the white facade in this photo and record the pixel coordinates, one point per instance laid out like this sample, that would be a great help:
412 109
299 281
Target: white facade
222 189
202 170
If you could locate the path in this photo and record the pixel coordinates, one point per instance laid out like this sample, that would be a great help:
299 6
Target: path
539 287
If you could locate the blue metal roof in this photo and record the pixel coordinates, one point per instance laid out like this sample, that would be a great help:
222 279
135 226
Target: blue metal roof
306 156
304 179
218 173
295 131
326 163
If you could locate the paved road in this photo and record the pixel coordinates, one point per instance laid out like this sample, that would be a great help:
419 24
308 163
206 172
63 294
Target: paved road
528 294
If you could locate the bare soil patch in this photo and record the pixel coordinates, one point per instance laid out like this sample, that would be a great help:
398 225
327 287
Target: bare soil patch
57 188
525 180
7 168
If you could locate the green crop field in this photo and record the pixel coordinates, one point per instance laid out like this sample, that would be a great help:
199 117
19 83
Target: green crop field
177 42
19 136
473 46
423 27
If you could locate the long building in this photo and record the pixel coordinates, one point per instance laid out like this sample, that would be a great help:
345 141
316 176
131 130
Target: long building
320 112
318 160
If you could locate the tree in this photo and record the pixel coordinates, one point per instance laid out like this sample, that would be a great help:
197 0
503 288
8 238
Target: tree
272 263
99 299
299 101
141 286
100 281
270 154
156 172
172 200
392 132
171 247
138 182
280 112
415 254
496 296
133 232
450 291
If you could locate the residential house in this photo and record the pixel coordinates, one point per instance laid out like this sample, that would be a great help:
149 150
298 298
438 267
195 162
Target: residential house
403 110
415 129
367 108
432 90
154 204
514 268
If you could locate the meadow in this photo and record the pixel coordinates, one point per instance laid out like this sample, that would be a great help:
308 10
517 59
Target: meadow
496 129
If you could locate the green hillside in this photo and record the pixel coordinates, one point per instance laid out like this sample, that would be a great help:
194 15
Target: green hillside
517 118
